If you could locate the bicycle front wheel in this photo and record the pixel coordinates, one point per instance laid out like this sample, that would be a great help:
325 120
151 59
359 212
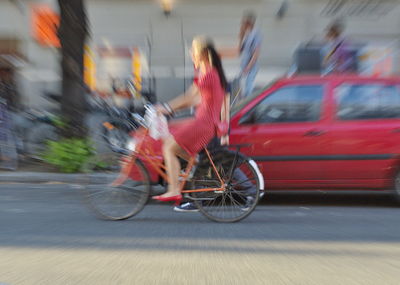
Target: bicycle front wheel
242 188
113 200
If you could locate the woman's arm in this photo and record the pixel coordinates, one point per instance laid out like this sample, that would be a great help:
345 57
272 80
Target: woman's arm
225 117
189 99
229 52
225 112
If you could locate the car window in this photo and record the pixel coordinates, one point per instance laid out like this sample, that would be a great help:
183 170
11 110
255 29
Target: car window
373 101
288 104
239 105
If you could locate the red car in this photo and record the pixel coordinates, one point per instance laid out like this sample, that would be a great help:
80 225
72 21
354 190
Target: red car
331 133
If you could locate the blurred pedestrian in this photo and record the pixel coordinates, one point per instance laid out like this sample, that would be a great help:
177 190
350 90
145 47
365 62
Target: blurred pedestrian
9 95
338 58
249 45
8 90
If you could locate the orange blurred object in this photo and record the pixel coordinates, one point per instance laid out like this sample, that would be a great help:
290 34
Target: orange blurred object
137 69
108 125
89 71
44 24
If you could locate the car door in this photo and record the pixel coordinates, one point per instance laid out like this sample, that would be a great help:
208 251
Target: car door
363 138
285 129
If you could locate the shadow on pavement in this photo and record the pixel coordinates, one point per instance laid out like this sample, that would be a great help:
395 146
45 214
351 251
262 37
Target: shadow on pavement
362 199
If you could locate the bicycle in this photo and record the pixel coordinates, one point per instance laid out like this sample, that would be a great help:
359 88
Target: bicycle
223 183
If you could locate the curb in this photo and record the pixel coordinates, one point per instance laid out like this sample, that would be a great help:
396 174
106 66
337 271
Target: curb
40 177
54 178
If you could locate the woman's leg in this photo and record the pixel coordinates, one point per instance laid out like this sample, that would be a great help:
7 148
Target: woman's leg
171 151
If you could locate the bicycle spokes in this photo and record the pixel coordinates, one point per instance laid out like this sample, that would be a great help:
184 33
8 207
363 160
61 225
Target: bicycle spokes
239 196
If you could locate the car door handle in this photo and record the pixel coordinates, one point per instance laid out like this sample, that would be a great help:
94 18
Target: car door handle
397 130
314 133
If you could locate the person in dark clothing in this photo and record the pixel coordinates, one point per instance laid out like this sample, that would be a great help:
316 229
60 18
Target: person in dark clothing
337 57
8 90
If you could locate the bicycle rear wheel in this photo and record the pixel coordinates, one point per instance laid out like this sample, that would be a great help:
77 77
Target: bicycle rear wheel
241 195
117 202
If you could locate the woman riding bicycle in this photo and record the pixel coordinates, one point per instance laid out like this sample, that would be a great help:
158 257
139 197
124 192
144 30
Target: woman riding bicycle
224 186
207 95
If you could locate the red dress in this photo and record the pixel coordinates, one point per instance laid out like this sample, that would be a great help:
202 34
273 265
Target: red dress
196 133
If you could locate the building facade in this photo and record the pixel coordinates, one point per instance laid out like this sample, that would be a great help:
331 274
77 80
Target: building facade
164 40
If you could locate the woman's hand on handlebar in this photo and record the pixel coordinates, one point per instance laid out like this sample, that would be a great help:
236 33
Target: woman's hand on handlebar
164 109
160 109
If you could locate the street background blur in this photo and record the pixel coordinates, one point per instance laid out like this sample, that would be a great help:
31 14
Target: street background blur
143 35
141 48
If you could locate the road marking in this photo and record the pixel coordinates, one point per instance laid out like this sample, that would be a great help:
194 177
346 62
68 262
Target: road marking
15 211
76 186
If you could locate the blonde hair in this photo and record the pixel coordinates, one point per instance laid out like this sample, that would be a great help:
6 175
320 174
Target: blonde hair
202 42
205 44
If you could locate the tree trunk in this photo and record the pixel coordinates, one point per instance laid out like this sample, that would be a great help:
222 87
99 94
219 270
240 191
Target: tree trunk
72 33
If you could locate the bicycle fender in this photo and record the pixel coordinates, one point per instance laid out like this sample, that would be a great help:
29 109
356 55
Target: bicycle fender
260 176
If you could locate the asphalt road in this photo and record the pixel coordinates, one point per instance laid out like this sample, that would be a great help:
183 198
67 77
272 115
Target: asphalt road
48 237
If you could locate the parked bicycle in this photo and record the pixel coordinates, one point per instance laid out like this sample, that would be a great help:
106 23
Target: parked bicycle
34 128
8 144
123 120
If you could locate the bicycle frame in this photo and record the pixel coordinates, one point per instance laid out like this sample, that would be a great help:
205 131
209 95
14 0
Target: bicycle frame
147 154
